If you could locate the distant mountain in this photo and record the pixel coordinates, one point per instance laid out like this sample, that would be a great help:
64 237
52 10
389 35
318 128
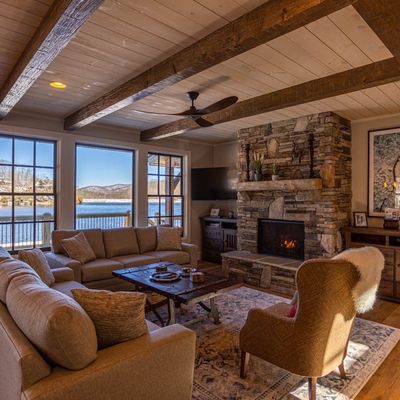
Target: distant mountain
118 191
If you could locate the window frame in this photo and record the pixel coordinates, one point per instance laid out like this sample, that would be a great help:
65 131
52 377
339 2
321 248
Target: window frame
101 146
33 194
182 195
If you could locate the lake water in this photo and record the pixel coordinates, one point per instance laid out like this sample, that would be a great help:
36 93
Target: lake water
24 231
86 208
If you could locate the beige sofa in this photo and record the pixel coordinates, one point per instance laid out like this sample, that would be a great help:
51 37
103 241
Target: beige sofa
116 249
136 369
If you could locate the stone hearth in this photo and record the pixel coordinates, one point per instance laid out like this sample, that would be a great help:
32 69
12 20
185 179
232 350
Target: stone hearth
323 205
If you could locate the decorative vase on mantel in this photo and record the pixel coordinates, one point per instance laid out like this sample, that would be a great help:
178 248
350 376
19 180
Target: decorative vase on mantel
275 172
258 176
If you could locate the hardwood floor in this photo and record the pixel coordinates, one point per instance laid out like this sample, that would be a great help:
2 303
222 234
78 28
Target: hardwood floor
385 383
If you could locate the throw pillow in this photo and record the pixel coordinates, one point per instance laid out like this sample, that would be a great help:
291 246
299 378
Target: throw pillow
169 238
78 248
293 310
37 260
117 316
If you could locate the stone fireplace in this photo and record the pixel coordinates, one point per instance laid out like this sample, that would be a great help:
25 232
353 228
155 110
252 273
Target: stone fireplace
321 204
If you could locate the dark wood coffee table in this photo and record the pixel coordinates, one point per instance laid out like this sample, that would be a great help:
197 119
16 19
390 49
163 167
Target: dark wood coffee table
179 292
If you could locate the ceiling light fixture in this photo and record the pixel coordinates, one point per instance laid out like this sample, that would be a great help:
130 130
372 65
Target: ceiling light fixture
58 85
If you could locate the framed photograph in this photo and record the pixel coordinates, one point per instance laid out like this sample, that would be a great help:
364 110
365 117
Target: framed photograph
360 219
383 171
214 212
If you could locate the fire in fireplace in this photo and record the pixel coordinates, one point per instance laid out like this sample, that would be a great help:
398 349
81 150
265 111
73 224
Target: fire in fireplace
281 238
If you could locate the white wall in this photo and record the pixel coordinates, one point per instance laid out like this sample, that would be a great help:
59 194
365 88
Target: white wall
359 152
195 154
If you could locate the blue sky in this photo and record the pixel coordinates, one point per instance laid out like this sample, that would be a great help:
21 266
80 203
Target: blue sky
97 166
24 152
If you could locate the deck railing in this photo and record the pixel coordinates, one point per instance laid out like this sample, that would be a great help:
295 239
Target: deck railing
24 231
103 221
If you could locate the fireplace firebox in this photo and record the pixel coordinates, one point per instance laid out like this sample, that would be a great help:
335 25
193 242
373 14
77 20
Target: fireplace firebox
281 238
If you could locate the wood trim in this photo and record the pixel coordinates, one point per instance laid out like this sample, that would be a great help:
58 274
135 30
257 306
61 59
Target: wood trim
359 78
383 17
62 22
270 20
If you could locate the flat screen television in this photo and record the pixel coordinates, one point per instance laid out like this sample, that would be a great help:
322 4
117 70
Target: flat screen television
214 183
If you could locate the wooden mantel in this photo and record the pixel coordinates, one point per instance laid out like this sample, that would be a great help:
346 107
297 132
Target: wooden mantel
287 184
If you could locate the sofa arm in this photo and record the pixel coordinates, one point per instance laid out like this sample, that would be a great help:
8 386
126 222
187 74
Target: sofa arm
63 274
60 261
193 251
140 369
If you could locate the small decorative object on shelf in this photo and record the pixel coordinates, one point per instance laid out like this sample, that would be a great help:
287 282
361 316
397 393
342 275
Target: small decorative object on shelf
391 220
275 172
214 212
257 166
390 224
360 219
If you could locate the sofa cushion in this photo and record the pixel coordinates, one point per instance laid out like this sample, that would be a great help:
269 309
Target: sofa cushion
98 269
135 260
66 287
93 236
78 248
37 260
4 254
21 364
117 317
56 324
177 257
119 242
169 238
147 238
9 269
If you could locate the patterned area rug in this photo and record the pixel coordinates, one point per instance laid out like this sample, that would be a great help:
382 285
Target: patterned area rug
217 363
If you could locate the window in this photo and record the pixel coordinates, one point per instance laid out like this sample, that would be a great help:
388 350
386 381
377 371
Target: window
164 189
27 192
104 187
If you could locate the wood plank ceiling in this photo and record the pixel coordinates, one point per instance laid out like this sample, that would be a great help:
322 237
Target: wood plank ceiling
126 37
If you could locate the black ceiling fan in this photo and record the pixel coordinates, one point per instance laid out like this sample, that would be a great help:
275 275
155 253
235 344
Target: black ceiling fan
197 114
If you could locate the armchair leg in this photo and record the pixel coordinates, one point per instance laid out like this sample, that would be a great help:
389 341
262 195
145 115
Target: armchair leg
342 371
244 361
312 388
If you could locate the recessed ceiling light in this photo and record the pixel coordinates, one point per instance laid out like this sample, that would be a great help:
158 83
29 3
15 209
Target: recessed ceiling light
58 85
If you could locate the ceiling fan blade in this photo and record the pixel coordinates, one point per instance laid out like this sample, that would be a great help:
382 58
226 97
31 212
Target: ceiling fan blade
219 105
152 113
203 122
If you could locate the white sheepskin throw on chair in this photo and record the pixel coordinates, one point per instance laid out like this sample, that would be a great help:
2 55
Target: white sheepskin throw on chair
369 261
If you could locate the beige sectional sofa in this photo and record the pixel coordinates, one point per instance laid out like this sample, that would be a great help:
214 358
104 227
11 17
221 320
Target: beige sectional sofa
116 249
135 369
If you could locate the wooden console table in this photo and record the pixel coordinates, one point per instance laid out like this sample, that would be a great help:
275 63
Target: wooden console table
277 274
388 242
219 235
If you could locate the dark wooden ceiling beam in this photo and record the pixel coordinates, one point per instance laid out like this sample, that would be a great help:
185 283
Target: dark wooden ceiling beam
383 16
61 23
270 20
359 78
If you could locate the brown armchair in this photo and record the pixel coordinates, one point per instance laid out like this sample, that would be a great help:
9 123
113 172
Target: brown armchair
314 342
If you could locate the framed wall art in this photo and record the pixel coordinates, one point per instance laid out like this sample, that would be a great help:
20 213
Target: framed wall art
383 171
